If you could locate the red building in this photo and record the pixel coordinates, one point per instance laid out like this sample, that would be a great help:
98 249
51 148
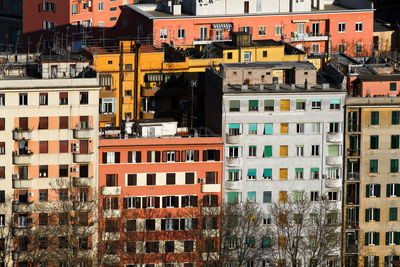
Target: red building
160 200
64 21
335 27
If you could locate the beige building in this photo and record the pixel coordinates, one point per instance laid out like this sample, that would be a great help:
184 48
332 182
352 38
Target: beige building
372 188
48 163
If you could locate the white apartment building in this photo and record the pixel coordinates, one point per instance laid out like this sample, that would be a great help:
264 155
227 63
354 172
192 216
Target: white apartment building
48 155
283 133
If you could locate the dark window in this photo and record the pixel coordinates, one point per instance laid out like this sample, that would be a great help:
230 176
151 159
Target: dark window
2 196
83 218
63 170
63 146
63 122
396 117
210 200
84 98
43 242
211 154
265 53
151 179
210 245
130 247
374 117
188 246
169 247
150 225
43 171
23 99
43 218
43 195
63 194
132 179
152 247
2 124
2 148
43 99
111 180
83 170
63 218
374 142
63 98
83 243
43 147
2 172
43 123
189 178
23 123
229 55
170 178
211 178
393 86
130 225
62 242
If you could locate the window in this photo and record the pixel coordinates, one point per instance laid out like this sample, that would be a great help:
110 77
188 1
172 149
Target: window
285 105
373 190
163 34
267 151
268 105
233 175
300 128
267 218
315 49
252 151
300 104
298 195
334 127
268 128
373 166
43 123
334 104
134 156
151 179
229 55
43 171
267 196
49 26
392 190
359 26
101 6
113 9
315 127
333 195
83 98
278 29
267 174
314 173
181 33
282 196
2 221
63 171
43 99
132 203
262 30
43 218
233 152
393 86
132 179
246 56
170 178
211 178
63 122
252 128
234 105
233 197
299 173
2 172
43 195
395 117
2 100
43 147
113 18
111 157
342 27
253 105
371 238
108 104
63 98
283 151
251 174
372 215
394 165
43 242
74 9
342 48
316 104
393 214
23 99
284 128
300 151
333 150
2 148
111 180
314 195
283 174
358 47
314 150
188 246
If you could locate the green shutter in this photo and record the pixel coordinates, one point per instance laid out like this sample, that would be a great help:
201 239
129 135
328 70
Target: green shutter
397 190
394 165
267 172
269 105
233 197
253 127
367 189
268 151
378 190
394 142
366 239
386 260
333 150
365 261
378 214
373 166
367 211
374 117
376 238
374 142
253 103
335 101
393 214
234 125
395 117
267 197
266 241
252 172
388 190
251 196
268 128
299 169
314 169
235 104
387 238
397 238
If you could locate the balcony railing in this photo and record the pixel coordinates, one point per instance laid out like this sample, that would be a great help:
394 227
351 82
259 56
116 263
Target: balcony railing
22 134
83 133
352 224
234 139
22 159
82 158
353 176
233 162
353 152
299 37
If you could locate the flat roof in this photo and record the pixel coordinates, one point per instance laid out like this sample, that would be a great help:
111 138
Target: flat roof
271 64
382 26
149 11
376 100
284 89
379 78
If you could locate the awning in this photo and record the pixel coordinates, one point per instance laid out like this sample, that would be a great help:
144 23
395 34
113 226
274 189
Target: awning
221 25
105 79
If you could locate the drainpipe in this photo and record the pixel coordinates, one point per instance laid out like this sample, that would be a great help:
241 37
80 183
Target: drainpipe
121 78
136 81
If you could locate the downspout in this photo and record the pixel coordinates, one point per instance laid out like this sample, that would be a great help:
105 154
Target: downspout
121 78
136 82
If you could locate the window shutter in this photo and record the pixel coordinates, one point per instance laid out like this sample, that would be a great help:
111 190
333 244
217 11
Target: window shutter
157 202
117 157
206 201
366 190
158 156
387 238
138 156
204 155
138 203
388 190
183 155
366 239
175 224
177 156
163 225
386 260
184 201
397 238
365 261
176 202
376 238
378 215
164 202
164 156
397 190
148 156
2 123
214 200
194 223
104 157
182 224
125 203
130 156
144 202
367 215
378 190
196 155
218 155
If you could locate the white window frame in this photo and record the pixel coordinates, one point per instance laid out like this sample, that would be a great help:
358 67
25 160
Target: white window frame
334 173
131 202
333 195
278 29
110 157
372 214
314 195
219 35
163 34
315 48
247 56
371 239
190 155
101 6
105 103
315 127
315 150
234 154
262 30
234 176
171 156
299 175
181 33
373 190
359 26
300 151
392 190
334 127
315 105
2 220
342 27
253 151
169 201
300 128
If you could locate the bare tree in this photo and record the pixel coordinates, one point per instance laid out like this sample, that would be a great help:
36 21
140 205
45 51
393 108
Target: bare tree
304 230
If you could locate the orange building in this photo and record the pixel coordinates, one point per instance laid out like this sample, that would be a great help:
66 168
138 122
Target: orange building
161 198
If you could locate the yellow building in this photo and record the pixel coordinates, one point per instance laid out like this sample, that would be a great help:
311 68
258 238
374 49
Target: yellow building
163 80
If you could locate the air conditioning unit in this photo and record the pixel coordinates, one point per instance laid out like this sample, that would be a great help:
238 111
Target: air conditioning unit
74 169
201 180
15 176
31 194
74 147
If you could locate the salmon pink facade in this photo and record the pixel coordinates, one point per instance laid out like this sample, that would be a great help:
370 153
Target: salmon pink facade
160 200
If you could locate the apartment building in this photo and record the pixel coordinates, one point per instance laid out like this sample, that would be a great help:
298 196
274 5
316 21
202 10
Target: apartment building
48 158
282 133
314 26
161 196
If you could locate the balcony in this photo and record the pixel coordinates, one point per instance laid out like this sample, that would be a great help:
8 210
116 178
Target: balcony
20 231
234 139
82 181
334 138
21 207
333 183
149 91
113 236
82 158
210 188
353 176
203 41
19 134
111 190
109 258
308 37
209 233
352 152
351 224
351 249
83 133
333 160
233 162
148 115
22 159
207 211
233 185
22 183
82 206
113 213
